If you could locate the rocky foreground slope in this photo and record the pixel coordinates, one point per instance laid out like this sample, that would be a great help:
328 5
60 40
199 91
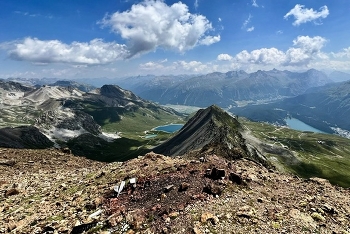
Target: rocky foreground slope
49 191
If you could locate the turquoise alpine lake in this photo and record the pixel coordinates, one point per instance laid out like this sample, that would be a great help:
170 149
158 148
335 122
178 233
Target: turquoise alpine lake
150 136
296 124
170 128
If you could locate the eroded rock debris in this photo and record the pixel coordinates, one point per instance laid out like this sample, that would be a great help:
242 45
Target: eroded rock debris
48 191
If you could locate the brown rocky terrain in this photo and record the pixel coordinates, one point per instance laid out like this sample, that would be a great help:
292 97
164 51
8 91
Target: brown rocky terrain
49 191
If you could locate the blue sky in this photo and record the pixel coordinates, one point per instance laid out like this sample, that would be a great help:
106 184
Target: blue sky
119 38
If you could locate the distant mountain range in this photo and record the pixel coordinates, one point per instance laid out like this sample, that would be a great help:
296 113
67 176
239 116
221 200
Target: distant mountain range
262 95
326 108
228 89
233 88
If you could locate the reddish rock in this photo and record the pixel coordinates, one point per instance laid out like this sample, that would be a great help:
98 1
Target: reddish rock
212 189
184 186
235 178
11 192
135 218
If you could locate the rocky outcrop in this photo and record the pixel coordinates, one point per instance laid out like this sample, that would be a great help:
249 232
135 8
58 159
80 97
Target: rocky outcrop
69 83
23 137
81 120
212 131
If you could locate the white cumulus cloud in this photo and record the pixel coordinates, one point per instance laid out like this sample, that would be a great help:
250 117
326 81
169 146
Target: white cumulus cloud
193 66
152 24
261 56
54 51
251 29
304 15
344 53
304 50
151 66
224 57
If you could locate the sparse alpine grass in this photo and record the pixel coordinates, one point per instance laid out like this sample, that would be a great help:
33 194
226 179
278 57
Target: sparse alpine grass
316 154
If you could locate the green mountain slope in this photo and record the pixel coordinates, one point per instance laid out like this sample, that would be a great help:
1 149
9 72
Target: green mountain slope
306 154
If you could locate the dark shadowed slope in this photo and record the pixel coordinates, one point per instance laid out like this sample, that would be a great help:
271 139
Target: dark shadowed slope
23 137
211 130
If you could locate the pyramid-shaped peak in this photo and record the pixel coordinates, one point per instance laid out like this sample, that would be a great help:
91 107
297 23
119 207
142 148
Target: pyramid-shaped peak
210 126
114 91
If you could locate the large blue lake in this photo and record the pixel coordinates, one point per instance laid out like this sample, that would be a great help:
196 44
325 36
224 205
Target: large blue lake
169 128
296 124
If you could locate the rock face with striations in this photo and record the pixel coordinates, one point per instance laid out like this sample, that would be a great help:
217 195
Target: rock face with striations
211 130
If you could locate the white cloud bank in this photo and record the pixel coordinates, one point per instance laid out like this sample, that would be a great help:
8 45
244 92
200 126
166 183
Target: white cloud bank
345 53
53 51
145 27
304 15
224 57
152 24
304 50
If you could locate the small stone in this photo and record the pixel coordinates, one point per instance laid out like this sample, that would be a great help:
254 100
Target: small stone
184 186
207 216
246 212
114 220
174 215
102 173
163 196
196 230
318 217
329 209
168 188
11 192
235 178
165 230
217 174
319 210
135 218
9 163
212 189
11 225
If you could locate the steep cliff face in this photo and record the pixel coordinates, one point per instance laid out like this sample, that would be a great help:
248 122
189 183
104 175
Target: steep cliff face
212 131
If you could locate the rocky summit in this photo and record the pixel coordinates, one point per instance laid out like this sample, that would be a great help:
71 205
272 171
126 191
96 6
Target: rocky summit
52 191
212 131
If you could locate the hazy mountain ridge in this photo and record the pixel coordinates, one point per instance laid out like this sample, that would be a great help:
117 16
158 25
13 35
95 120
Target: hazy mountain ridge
226 89
74 84
322 107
